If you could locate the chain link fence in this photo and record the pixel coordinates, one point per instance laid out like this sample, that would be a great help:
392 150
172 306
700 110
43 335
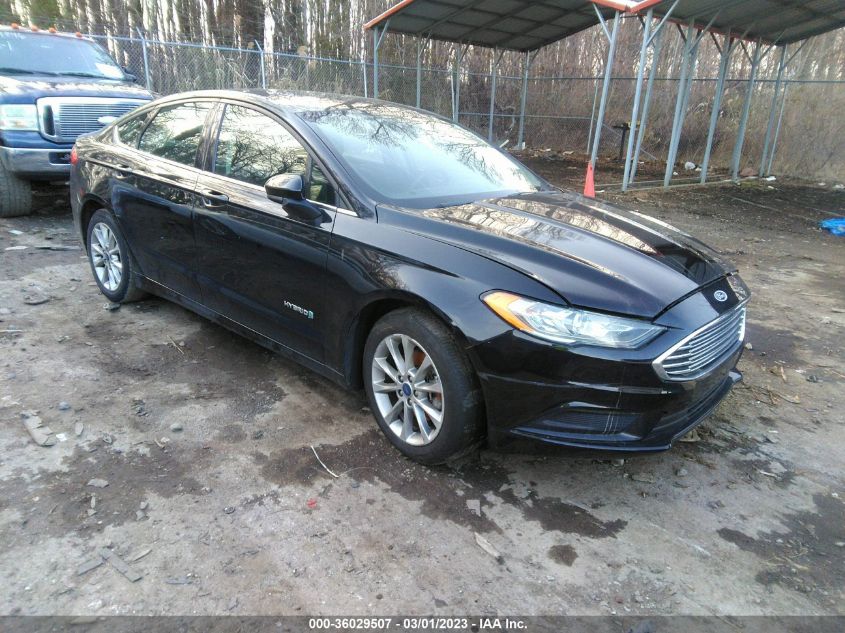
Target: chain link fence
560 111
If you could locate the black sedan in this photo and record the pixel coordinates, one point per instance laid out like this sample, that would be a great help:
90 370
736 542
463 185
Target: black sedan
388 248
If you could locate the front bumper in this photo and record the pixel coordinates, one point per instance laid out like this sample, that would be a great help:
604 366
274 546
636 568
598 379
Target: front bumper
600 398
36 164
625 426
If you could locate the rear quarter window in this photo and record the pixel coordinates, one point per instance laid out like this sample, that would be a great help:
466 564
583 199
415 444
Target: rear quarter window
129 131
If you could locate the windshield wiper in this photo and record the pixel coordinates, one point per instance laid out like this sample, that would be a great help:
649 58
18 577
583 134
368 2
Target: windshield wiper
19 71
55 73
49 73
83 74
447 205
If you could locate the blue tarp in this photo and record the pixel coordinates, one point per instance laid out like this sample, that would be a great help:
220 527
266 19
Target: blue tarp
834 225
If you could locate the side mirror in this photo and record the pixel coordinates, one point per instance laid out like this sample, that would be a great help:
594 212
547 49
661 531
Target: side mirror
284 187
130 76
287 190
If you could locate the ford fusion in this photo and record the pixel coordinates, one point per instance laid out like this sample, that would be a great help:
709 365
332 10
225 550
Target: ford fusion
387 248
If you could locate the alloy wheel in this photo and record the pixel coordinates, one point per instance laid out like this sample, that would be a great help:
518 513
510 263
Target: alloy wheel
407 389
106 256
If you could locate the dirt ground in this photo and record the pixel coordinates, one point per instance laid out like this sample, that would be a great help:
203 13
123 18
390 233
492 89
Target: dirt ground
568 168
233 514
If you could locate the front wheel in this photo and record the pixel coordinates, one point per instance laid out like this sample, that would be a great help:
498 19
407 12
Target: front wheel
421 387
15 194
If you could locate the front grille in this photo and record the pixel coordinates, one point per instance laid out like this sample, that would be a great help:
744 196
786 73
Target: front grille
703 349
65 118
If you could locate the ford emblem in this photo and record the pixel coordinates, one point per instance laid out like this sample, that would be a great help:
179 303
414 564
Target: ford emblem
720 296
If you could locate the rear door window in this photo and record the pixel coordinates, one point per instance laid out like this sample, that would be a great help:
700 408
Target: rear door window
176 132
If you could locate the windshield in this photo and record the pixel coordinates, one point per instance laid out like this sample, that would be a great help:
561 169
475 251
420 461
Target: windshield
46 54
410 158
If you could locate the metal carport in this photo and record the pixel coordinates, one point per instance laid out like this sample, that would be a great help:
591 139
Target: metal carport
756 27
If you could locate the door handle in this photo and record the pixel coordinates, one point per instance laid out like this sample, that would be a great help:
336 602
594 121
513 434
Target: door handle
158 175
166 175
118 167
123 171
212 198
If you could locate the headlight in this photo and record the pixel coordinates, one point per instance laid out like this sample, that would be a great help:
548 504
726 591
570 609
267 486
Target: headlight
570 325
18 117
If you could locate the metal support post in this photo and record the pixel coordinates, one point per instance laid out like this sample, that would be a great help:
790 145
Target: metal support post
684 89
782 108
746 110
592 118
455 62
764 160
677 122
494 71
651 36
777 130
419 72
727 50
658 44
261 61
375 62
460 51
608 73
520 141
378 36
420 45
147 79
635 110
454 81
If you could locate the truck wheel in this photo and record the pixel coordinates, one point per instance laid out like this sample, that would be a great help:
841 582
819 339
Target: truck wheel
15 194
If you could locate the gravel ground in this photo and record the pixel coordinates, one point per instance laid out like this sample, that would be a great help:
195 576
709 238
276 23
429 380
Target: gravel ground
216 499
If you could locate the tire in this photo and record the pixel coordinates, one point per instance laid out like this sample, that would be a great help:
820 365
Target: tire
459 404
115 274
15 195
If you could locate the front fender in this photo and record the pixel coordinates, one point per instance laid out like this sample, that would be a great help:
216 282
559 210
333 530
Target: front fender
374 268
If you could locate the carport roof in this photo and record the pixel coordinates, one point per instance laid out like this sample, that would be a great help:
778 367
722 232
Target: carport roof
773 21
508 24
527 25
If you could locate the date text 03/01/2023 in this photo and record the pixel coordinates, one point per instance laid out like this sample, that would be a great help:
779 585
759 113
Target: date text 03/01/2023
418 623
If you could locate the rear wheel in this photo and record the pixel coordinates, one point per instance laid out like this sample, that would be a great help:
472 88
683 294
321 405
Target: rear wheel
421 387
15 194
110 260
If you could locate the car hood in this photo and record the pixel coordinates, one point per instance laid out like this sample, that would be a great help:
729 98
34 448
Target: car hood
593 254
29 88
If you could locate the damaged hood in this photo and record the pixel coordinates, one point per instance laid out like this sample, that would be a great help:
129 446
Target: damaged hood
594 255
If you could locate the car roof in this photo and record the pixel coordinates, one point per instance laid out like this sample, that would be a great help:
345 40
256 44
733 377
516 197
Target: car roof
288 101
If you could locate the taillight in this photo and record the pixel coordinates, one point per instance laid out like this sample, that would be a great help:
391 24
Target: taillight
74 157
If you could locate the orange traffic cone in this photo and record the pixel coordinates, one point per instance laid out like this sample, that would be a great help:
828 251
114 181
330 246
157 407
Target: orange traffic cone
589 184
